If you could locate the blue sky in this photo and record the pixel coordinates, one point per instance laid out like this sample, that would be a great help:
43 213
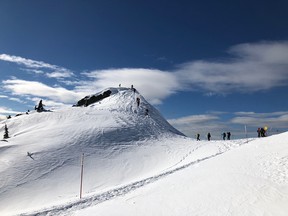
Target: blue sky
208 66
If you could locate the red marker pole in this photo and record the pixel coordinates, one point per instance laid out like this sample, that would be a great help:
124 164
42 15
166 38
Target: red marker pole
81 178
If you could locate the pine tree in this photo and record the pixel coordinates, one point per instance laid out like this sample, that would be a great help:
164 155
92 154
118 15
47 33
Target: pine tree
6 134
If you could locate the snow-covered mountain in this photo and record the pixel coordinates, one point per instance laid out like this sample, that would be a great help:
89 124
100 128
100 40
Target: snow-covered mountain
109 132
135 163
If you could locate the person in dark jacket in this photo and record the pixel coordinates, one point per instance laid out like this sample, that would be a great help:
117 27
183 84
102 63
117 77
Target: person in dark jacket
228 135
224 136
198 137
138 101
40 107
259 132
209 136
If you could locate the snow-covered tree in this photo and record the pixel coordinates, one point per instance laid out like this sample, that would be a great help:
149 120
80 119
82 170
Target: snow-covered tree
6 133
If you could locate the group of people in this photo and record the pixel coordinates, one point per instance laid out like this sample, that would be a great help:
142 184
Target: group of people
262 132
224 135
228 135
40 107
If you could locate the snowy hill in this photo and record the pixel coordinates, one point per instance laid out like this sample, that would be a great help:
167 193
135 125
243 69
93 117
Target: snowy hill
135 163
107 132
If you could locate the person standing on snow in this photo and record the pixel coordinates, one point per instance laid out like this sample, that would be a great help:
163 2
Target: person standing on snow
209 136
224 136
138 101
228 135
198 137
259 132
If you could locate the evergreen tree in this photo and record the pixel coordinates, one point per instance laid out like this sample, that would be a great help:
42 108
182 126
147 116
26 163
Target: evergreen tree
6 133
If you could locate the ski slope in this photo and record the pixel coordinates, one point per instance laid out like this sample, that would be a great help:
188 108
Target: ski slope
134 164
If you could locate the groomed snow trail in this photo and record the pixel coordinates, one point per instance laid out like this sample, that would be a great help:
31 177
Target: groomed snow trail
92 200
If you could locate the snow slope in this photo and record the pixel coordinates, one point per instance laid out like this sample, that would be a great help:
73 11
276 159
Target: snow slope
249 180
134 165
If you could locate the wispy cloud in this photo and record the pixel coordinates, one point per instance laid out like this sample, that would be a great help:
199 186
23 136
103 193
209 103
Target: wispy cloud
154 84
60 74
275 119
190 125
251 67
194 119
234 122
26 62
4 112
36 66
32 88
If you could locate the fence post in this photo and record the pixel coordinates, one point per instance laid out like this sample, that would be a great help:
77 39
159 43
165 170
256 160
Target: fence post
246 133
81 178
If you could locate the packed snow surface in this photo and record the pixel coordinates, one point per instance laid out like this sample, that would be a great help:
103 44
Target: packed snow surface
135 163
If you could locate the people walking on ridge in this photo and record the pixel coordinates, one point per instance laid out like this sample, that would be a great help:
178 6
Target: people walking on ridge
40 107
224 136
209 136
263 132
259 132
228 135
198 137
132 87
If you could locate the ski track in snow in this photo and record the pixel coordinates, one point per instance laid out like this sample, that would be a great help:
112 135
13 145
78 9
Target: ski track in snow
92 200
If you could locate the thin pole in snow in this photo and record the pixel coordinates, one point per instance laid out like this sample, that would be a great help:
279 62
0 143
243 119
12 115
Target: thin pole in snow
81 178
246 133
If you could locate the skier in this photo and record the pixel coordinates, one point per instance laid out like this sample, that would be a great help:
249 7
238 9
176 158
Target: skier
209 136
198 137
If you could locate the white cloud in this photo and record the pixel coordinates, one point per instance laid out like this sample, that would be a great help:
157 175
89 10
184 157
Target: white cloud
16 99
31 88
252 67
193 119
272 120
5 110
193 124
35 66
35 71
216 124
26 62
155 85
60 74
